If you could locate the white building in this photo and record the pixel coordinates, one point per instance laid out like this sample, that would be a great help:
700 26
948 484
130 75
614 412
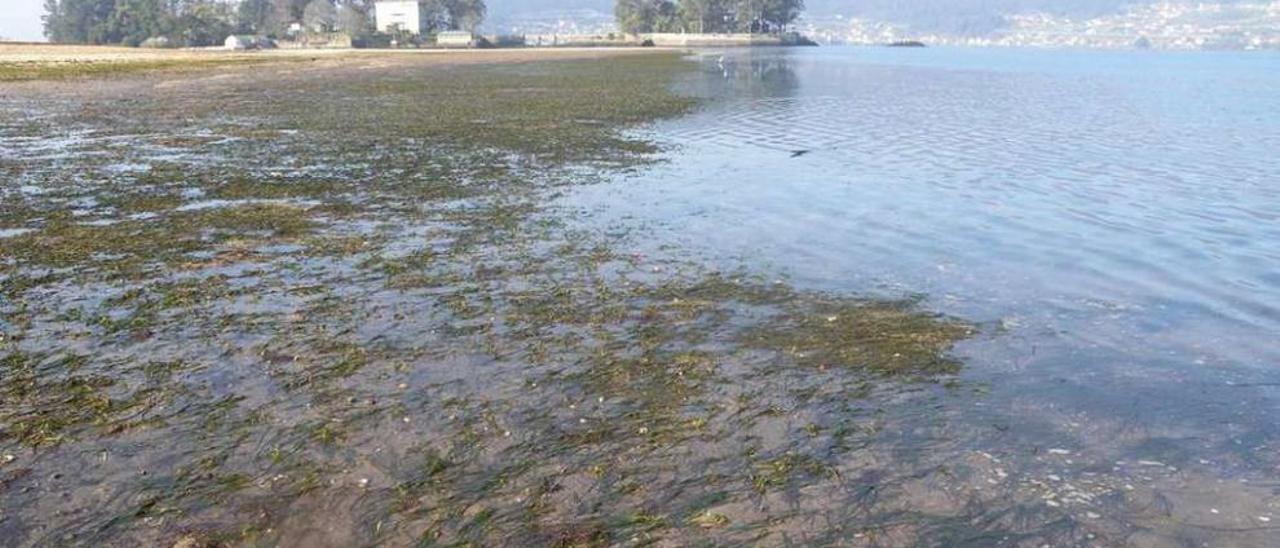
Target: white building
455 39
407 15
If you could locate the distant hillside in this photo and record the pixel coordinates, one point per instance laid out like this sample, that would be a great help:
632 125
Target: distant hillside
515 7
954 16
960 16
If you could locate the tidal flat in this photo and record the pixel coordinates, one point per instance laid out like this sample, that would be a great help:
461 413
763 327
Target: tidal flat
328 304
350 300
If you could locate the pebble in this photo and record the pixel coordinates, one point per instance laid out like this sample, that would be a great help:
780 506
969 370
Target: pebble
1059 452
364 482
1264 519
1093 515
7 459
1213 510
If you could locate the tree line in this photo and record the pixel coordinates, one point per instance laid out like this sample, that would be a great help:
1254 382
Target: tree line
197 23
756 16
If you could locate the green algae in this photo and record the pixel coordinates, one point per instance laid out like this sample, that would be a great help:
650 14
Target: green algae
883 337
65 242
334 320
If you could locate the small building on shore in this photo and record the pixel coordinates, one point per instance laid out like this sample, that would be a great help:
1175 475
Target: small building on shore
456 39
412 16
242 42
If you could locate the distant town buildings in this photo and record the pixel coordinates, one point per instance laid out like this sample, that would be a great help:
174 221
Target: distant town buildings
1157 26
572 22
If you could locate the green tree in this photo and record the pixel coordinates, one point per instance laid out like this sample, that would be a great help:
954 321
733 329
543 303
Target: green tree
778 14
77 21
762 16
353 18
640 16
320 16
133 21
287 12
694 14
465 14
255 17
202 23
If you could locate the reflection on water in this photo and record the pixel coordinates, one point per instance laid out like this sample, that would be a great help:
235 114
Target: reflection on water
1112 217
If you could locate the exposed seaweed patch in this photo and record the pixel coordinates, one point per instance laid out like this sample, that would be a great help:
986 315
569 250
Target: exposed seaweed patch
370 317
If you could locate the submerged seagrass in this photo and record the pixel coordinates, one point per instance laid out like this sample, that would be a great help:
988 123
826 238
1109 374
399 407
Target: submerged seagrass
332 305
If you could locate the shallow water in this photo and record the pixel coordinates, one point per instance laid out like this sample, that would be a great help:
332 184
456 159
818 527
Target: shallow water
1136 193
1112 218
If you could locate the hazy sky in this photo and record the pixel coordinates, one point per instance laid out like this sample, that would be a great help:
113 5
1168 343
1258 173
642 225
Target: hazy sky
20 19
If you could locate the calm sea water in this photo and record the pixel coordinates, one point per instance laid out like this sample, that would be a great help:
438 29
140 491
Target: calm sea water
1113 219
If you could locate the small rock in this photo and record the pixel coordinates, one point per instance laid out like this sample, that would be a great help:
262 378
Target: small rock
188 542
7 459
1059 452
1264 519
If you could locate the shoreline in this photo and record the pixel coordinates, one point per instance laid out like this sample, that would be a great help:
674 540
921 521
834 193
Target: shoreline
58 62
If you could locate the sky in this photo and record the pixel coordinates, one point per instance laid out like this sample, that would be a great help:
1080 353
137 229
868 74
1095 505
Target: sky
20 19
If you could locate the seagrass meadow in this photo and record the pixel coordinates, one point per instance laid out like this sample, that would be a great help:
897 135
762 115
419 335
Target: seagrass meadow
332 303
